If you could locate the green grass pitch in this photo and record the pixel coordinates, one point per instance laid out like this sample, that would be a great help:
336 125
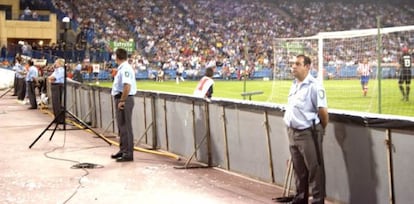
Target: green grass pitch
342 94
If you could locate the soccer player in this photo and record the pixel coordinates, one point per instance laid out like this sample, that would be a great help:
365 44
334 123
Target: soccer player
364 69
405 73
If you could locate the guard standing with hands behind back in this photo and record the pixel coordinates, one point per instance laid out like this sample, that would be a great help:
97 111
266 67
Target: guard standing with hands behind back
123 90
31 79
306 117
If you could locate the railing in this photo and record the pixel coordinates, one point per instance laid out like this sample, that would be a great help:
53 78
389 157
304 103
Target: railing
250 94
367 156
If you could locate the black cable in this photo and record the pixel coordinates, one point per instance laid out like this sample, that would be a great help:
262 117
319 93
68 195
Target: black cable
78 165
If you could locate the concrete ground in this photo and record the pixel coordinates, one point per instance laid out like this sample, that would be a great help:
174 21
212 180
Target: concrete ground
45 174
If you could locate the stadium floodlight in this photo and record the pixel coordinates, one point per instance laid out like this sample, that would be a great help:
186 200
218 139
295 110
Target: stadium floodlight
66 23
65 19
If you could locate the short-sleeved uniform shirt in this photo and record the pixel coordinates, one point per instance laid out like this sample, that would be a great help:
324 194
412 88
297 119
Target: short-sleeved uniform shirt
125 75
406 63
304 100
19 69
59 75
33 73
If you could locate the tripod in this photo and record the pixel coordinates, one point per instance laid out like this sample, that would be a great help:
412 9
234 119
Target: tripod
56 122
62 114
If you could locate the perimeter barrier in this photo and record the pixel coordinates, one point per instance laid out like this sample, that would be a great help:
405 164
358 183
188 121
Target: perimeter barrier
368 157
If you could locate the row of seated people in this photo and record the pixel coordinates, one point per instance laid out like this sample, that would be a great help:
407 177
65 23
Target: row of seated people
216 29
346 72
223 28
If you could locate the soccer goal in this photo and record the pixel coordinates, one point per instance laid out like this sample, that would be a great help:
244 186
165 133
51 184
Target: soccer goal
336 57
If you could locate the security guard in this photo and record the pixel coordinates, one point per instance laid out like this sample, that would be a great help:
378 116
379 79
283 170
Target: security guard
31 80
306 117
123 90
21 83
57 79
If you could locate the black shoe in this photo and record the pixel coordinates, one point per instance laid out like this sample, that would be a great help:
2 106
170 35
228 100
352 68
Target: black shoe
124 159
31 108
117 155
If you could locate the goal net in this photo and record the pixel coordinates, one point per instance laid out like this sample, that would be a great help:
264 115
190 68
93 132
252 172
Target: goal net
336 57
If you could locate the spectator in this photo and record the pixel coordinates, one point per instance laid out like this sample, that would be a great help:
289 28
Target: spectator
77 75
3 54
204 87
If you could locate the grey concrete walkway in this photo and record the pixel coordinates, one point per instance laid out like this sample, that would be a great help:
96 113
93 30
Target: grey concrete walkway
43 174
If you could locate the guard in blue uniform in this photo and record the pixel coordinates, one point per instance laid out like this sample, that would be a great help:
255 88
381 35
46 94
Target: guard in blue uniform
31 79
123 90
57 79
306 117
21 82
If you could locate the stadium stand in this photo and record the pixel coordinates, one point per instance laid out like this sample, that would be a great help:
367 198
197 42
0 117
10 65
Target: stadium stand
210 31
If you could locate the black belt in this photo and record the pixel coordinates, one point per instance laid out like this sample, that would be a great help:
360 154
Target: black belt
301 130
118 96
304 129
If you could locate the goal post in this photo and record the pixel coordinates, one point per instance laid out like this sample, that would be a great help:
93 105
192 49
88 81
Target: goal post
337 55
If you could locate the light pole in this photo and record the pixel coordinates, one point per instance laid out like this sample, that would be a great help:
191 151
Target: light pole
66 26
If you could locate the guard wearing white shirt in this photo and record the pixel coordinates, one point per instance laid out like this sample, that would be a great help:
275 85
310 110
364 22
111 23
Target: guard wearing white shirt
31 79
21 83
123 90
57 80
306 117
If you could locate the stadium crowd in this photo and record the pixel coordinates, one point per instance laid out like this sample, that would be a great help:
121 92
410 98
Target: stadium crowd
198 34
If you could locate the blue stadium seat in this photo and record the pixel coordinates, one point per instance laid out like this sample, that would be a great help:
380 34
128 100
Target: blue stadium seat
348 72
141 75
263 73
103 75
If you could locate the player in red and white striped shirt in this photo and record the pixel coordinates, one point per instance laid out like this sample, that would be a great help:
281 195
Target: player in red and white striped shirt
364 70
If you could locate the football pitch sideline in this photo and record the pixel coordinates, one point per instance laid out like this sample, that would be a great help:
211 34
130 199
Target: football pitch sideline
342 94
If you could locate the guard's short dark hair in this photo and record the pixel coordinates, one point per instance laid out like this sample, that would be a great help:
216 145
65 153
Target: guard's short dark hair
209 72
30 62
121 54
306 59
